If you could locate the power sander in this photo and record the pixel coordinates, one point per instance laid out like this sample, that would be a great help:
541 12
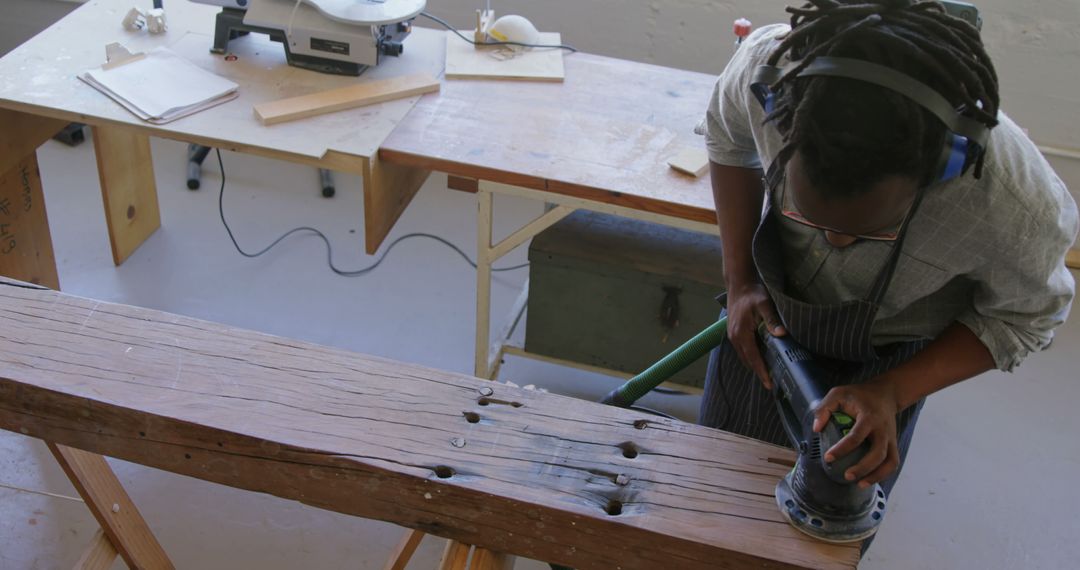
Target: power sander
814 497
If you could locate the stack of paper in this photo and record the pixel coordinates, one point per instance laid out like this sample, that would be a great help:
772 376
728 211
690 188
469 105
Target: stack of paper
160 86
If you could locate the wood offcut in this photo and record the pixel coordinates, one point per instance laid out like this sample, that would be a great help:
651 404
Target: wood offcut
539 477
342 98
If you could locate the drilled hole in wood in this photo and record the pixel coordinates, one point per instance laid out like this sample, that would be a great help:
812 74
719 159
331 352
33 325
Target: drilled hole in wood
629 450
489 401
187 456
443 472
471 417
614 508
641 424
142 434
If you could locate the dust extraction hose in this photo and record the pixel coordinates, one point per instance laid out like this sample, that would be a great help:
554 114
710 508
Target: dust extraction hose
624 396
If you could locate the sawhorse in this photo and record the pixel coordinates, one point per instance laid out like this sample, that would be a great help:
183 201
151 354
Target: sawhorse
26 253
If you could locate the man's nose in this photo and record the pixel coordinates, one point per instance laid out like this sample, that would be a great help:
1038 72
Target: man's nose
839 240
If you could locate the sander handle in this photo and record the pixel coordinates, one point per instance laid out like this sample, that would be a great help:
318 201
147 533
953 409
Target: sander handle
798 388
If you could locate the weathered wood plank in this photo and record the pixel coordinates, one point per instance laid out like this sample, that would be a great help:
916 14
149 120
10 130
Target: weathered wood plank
515 471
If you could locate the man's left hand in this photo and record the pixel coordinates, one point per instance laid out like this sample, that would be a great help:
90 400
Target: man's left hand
873 406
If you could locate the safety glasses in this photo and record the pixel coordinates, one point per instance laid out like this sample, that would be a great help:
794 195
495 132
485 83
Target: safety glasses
789 211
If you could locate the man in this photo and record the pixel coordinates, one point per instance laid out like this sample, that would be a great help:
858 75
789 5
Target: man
906 257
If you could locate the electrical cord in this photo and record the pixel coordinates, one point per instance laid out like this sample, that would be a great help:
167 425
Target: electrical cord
329 248
473 42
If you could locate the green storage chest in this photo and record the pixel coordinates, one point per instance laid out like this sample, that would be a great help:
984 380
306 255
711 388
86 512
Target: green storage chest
619 293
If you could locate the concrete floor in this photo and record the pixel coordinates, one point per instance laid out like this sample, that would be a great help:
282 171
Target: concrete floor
990 481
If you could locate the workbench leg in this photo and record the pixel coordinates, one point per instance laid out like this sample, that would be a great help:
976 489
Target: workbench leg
22 133
404 551
486 356
388 190
112 507
26 251
99 554
483 284
128 189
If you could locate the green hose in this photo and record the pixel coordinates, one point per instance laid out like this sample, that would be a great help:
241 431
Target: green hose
624 396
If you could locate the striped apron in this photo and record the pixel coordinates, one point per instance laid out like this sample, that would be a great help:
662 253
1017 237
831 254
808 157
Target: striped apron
837 334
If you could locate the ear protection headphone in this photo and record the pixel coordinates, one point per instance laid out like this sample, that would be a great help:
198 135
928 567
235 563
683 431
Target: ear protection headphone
965 137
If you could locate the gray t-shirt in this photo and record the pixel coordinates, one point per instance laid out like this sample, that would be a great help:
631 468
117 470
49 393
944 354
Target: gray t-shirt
989 253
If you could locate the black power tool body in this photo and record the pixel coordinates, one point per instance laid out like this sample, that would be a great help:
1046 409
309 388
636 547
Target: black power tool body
814 497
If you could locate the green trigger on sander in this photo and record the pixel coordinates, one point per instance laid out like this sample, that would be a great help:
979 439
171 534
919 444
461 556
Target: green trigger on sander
814 496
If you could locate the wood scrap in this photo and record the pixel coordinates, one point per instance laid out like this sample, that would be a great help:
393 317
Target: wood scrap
464 61
692 161
342 98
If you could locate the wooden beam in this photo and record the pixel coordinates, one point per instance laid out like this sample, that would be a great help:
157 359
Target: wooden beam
26 250
112 507
517 471
1072 258
99 554
22 134
404 551
128 189
342 98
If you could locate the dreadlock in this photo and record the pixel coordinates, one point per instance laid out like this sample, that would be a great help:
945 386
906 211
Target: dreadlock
852 134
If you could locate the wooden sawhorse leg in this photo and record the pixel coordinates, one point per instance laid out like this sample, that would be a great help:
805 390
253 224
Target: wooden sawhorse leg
455 557
26 254
123 530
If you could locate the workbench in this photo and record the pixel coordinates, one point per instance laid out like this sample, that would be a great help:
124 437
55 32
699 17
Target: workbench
512 471
40 93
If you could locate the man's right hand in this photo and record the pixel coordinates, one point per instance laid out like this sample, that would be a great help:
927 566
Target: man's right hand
747 305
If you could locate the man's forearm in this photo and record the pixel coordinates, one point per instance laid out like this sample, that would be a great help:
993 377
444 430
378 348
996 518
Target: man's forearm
954 356
737 193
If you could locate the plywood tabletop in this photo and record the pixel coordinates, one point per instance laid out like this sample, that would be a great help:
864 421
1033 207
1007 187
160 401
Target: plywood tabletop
40 77
606 133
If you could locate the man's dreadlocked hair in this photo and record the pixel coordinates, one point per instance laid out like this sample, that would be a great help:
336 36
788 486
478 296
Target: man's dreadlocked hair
852 134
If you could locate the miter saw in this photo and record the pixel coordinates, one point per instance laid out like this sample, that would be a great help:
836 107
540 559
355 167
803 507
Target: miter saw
342 37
